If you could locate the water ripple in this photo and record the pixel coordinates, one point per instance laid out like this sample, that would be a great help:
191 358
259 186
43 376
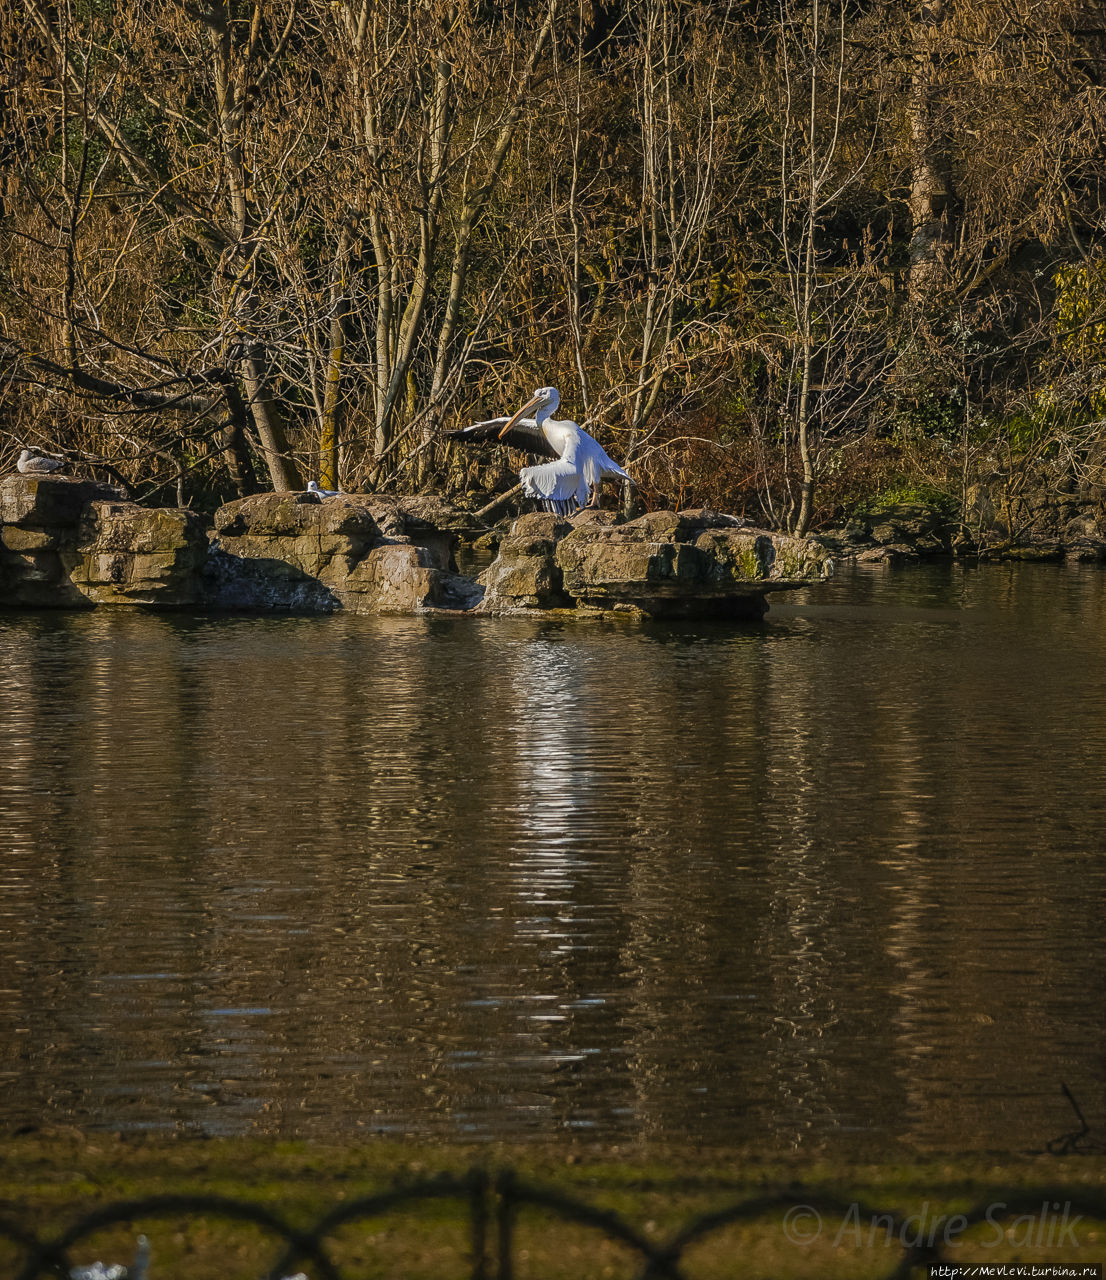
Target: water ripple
832 882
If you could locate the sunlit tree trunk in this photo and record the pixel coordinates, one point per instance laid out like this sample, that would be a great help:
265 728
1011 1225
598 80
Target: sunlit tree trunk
231 88
931 189
816 168
330 435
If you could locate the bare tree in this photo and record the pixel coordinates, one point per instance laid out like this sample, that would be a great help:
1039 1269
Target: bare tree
684 135
435 98
299 234
826 360
241 65
69 284
98 81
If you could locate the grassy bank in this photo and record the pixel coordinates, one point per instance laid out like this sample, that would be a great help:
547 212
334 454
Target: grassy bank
48 1181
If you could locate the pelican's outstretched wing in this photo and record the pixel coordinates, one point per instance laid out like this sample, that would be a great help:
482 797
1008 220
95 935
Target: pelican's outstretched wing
604 467
525 435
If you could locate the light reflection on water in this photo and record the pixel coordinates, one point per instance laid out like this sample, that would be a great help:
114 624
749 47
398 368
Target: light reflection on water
832 881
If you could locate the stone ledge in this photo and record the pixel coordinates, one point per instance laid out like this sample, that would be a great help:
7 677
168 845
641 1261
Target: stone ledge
75 544
665 564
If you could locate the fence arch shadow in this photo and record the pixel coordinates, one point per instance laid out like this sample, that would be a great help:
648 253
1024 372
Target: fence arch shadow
490 1205
51 1257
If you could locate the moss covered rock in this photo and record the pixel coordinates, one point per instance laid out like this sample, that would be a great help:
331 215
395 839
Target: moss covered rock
127 554
366 553
665 564
525 574
905 530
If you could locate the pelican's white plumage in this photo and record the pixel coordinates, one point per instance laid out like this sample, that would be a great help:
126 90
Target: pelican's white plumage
580 463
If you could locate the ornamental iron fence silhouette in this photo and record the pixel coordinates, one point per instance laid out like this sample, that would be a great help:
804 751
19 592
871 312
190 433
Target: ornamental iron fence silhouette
490 1205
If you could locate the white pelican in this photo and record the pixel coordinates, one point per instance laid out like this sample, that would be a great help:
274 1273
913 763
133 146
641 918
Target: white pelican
573 480
31 463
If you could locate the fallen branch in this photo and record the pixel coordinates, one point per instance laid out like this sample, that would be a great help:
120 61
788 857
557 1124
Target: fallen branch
498 503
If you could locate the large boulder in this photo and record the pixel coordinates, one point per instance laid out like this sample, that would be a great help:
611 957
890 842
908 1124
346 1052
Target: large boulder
898 531
665 564
284 550
365 553
127 554
67 543
525 574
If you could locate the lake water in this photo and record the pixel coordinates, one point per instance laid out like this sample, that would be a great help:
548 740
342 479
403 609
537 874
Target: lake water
831 882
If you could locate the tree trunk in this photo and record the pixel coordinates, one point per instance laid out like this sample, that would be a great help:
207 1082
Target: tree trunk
330 437
806 312
266 418
230 109
931 192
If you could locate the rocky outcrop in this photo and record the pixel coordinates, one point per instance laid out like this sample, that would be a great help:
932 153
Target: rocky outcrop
665 564
73 544
361 553
1007 516
525 574
68 543
1053 508
139 555
1050 513
901 531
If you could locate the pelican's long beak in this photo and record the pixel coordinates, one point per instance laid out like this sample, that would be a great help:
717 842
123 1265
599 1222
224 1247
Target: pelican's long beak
530 404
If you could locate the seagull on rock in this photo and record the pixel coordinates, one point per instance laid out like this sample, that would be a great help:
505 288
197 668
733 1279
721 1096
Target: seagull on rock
313 487
31 463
